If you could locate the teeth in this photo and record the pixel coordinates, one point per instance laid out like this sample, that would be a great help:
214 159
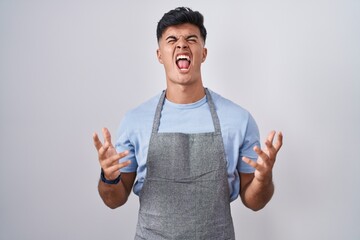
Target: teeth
183 57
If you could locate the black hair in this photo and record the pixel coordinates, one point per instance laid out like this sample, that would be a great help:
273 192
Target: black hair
179 16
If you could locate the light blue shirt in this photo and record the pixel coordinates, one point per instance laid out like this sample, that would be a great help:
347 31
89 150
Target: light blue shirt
239 131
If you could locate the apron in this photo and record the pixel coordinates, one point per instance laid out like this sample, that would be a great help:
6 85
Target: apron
185 194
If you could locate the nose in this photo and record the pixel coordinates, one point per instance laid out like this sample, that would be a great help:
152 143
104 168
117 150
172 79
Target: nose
182 43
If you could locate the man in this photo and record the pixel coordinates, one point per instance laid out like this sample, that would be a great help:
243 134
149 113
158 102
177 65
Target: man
191 150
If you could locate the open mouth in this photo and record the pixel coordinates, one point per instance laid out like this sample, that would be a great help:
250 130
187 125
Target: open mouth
183 62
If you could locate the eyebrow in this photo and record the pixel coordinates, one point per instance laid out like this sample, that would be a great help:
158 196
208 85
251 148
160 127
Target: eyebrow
190 36
170 37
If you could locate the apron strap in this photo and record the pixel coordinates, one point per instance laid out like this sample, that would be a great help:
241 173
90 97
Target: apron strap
156 122
214 115
211 104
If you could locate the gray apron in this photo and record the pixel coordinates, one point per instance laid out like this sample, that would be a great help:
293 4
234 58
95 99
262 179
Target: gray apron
185 193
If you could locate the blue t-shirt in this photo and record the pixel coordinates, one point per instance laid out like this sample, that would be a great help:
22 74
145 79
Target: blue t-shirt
239 131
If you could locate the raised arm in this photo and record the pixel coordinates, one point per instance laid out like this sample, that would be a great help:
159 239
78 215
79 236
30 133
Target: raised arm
257 189
113 195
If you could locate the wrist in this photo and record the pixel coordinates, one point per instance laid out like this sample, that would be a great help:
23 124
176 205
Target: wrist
268 180
114 181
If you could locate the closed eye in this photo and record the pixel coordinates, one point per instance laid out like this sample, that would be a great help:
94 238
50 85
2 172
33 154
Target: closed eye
192 38
171 39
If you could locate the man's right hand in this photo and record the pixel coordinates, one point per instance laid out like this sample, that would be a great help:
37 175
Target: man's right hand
108 157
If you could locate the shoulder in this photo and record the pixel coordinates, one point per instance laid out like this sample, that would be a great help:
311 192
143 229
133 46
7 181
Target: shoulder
144 109
140 116
226 108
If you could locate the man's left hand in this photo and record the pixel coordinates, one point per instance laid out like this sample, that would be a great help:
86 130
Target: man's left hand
266 160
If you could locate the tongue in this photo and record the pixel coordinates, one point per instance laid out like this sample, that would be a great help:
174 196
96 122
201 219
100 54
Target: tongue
183 64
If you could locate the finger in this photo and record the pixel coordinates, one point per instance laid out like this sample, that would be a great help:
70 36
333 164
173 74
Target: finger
271 136
107 143
261 154
279 142
116 169
251 162
107 136
102 151
123 154
271 149
97 142
124 164
105 147
113 159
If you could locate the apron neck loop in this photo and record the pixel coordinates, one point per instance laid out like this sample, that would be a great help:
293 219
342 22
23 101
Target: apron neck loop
214 115
156 122
210 102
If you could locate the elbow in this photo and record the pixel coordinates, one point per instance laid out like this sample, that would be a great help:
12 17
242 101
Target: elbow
254 205
111 197
255 208
112 204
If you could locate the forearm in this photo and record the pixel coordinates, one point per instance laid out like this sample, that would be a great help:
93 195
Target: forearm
113 195
258 188
257 194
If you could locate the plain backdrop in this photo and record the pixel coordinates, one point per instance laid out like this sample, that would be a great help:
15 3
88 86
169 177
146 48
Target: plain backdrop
69 68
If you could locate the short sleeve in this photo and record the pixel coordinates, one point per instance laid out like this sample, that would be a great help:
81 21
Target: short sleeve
251 139
123 143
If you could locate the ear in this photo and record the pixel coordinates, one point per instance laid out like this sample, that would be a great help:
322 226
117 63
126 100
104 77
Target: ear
204 55
158 54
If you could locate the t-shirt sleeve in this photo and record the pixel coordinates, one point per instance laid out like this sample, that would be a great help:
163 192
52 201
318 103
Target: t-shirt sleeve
251 139
123 143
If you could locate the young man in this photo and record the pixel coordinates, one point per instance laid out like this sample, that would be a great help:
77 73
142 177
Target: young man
190 150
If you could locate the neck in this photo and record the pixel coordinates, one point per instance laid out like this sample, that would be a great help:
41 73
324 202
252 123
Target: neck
181 94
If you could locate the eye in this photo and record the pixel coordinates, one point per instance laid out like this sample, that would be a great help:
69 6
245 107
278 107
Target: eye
171 40
192 40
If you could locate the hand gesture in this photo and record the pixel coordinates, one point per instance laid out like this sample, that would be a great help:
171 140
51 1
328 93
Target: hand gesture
108 157
266 160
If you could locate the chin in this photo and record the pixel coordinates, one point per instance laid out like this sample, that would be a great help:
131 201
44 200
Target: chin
182 77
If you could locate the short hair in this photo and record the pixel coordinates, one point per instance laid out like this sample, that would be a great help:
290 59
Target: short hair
179 16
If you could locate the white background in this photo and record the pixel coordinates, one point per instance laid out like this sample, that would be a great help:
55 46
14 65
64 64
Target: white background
68 68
